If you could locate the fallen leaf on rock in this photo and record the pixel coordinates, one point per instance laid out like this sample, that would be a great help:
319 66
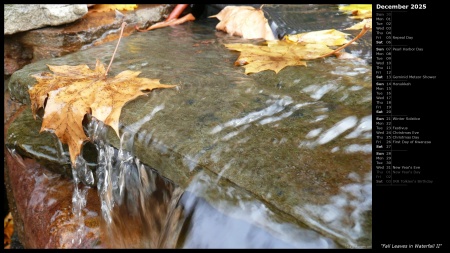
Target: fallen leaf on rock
365 22
358 11
73 91
111 7
276 55
244 21
329 37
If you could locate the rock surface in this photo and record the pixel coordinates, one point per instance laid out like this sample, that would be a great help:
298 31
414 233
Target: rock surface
44 217
91 29
24 17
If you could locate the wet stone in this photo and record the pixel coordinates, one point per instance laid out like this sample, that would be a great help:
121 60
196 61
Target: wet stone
42 146
299 141
88 30
18 16
16 55
41 204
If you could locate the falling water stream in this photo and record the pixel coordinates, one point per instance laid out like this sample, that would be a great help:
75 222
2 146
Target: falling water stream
141 209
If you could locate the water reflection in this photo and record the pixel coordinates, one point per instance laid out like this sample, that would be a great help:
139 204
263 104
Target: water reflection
362 131
245 224
345 213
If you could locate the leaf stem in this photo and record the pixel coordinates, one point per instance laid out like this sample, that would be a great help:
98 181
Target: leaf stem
363 31
115 50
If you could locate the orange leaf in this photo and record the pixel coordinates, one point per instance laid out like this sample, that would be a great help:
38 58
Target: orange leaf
73 91
111 7
8 229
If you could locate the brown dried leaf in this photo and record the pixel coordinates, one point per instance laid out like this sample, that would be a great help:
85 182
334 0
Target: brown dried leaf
73 91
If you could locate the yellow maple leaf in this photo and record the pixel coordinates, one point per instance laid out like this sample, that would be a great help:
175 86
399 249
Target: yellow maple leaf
111 7
244 21
358 11
330 37
276 55
73 91
358 26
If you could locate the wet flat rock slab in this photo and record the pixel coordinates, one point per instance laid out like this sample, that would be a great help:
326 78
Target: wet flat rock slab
91 29
299 141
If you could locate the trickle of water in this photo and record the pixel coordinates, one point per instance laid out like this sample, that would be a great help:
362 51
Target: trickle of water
16 156
82 171
80 174
139 208
138 205
62 157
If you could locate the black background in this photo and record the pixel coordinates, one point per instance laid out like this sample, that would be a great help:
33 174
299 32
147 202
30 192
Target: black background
416 213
